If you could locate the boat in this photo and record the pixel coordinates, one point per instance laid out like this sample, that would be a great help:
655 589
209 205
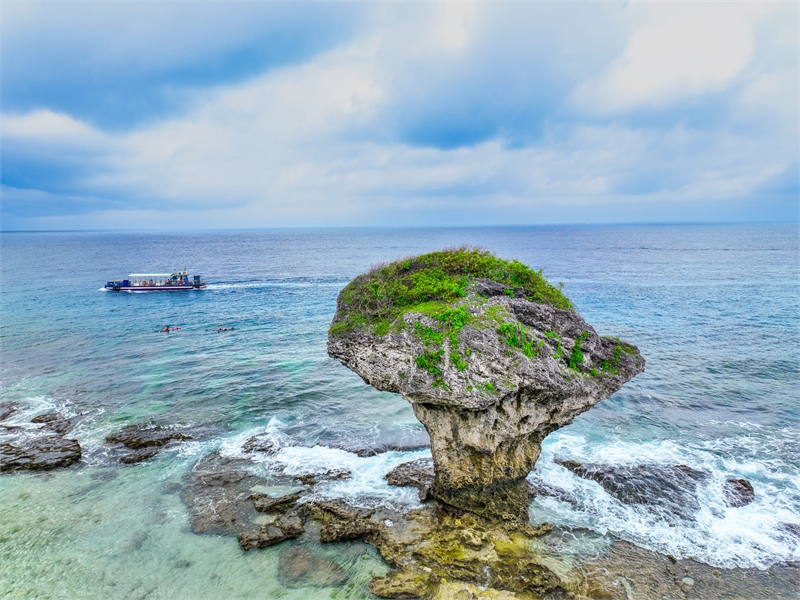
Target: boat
157 282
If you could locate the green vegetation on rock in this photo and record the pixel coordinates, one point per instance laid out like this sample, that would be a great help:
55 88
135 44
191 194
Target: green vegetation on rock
430 283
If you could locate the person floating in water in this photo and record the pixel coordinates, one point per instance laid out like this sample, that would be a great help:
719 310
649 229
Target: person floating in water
219 329
167 329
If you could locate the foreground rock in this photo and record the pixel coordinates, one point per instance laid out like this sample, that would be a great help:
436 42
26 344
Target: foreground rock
671 488
298 567
38 448
434 551
738 492
138 442
287 527
491 357
417 473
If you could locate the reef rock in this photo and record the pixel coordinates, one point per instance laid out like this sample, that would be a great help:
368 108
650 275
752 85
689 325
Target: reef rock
492 358
35 449
298 567
738 492
417 473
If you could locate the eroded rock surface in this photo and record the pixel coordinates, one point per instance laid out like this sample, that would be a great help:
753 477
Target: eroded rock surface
298 567
489 373
38 448
417 473
435 551
671 488
738 492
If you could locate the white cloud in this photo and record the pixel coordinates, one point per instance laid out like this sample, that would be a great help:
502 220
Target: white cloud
696 51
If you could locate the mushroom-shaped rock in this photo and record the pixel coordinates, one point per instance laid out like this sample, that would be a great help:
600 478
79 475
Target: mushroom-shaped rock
490 355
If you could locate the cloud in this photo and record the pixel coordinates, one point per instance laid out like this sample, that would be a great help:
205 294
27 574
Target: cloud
692 52
425 114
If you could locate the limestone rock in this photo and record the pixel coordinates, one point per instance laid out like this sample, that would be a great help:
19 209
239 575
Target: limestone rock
267 504
7 409
489 370
139 436
55 421
671 488
299 567
288 527
217 493
23 449
433 546
738 492
417 473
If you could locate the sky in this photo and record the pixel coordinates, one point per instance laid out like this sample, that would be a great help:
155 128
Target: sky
185 115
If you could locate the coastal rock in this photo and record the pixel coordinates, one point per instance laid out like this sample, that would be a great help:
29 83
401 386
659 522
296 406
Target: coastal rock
435 550
36 449
367 450
738 492
417 473
287 527
267 504
262 443
140 436
297 567
55 421
671 488
329 475
491 357
8 409
218 493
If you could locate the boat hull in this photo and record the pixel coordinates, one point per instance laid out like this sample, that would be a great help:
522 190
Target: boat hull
154 288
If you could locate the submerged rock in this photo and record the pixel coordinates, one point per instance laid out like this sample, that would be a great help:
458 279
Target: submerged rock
738 492
41 449
268 504
55 421
491 357
299 567
140 436
417 473
217 493
672 488
37 448
8 409
287 527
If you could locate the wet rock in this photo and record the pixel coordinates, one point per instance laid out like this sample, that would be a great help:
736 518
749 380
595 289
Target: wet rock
299 567
626 571
330 475
266 504
262 443
287 527
488 391
790 528
137 436
172 487
138 456
8 409
416 473
431 546
537 488
36 450
217 493
55 421
738 492
671 488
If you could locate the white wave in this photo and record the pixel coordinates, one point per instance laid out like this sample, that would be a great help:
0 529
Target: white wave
227 286
749 536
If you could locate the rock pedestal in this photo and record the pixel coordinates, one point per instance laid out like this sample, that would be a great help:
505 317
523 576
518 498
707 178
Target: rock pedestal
488 384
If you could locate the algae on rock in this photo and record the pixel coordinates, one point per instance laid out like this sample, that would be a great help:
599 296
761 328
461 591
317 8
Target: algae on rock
492 358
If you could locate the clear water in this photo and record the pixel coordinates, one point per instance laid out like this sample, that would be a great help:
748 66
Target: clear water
714 309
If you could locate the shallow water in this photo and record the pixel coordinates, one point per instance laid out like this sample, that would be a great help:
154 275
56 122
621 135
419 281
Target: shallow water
714 309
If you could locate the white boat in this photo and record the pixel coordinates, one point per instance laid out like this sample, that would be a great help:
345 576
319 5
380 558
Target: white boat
157 282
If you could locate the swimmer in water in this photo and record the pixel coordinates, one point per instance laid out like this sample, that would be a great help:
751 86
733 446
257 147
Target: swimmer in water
165 330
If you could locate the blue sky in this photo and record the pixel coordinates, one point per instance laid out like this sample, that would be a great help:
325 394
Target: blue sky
201 114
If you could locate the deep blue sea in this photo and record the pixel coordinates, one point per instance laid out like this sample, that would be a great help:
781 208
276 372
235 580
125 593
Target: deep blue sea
715 309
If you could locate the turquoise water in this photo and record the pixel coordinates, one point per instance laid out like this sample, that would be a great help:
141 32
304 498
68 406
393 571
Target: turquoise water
714 309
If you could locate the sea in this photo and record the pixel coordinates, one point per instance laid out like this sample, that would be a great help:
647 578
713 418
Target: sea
714 309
